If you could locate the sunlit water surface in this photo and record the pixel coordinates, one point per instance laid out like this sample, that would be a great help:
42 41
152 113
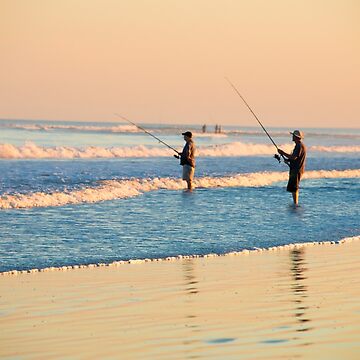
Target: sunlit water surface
165 222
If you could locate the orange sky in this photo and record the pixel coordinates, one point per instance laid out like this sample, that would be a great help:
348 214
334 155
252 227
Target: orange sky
296 62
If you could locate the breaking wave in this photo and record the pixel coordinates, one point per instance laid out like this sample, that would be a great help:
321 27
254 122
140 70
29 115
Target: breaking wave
120 189
308 134
87 128
336 149
170 129
32 151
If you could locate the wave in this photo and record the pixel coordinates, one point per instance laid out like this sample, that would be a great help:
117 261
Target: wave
120 189
32 151
308 134
243 252
336 149
109 129
208 134
171 130
87 128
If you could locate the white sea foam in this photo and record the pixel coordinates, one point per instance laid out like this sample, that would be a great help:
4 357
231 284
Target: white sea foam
336 149
130 128
244 252
51 127
209 134
32 151
276 133
240 149
119 189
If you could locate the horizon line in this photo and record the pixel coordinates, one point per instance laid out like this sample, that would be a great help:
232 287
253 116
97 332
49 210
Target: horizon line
177 124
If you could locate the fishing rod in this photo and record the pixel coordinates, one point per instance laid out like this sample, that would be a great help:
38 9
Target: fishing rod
147 132
276 156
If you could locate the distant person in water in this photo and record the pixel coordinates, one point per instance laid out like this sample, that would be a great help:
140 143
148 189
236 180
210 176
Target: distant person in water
187 159
296 161
204 128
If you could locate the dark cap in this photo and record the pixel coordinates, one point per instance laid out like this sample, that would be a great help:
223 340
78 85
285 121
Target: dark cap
187 133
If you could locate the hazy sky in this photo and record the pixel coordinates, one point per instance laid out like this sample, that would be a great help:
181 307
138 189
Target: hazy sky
296 62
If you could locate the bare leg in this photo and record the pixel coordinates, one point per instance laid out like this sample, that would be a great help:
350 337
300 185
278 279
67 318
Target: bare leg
189 184
295 196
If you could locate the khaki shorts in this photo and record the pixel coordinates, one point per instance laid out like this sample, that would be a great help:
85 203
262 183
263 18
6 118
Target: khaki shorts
188 173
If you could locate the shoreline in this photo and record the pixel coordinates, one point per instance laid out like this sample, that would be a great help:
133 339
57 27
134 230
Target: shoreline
299 302
244 252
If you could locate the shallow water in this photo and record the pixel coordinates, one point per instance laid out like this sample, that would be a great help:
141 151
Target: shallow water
53 213
168 223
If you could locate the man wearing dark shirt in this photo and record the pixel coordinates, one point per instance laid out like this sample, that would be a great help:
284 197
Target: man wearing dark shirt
187 159
296 162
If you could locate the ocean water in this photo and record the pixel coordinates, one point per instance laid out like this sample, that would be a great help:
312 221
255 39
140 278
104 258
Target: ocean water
80 193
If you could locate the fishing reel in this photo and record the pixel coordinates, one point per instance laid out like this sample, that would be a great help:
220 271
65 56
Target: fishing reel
278 158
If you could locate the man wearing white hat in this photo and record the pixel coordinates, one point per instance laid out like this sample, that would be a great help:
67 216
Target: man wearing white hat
296 161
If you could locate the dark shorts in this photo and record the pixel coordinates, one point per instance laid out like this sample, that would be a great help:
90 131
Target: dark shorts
294 181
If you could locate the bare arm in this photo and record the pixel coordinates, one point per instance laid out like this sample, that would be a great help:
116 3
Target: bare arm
292 156
288 156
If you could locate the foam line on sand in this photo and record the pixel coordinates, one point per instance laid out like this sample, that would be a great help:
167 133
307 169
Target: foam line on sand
243 252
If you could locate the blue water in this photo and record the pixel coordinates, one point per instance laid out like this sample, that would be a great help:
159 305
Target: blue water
166 223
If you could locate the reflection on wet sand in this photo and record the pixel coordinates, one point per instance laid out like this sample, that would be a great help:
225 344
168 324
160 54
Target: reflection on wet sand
190 290
299 303
300 290
189 276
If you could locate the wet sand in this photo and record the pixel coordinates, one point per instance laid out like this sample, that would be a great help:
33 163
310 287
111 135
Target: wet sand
294 303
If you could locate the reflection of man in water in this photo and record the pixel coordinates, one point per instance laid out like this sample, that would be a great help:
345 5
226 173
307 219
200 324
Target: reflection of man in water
187 159
296 161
